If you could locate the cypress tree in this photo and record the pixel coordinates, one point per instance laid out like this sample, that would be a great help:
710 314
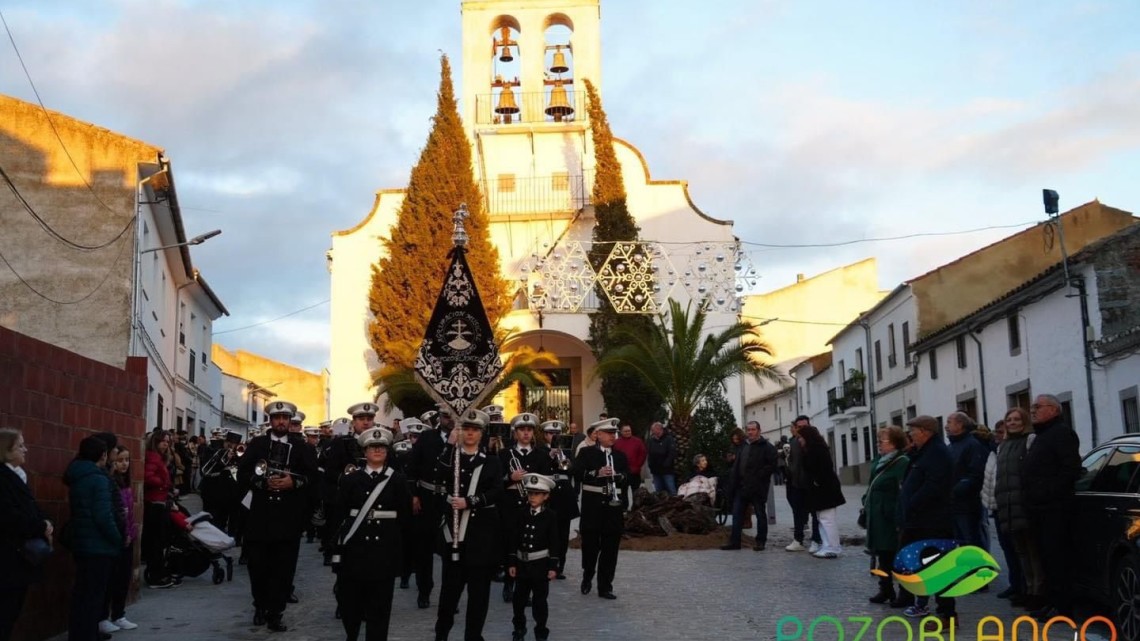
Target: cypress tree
625 395
406 281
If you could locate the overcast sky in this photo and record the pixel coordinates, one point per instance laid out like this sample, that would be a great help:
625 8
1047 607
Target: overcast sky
805 121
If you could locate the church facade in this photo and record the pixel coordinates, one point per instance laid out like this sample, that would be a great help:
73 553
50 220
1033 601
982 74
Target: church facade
523 104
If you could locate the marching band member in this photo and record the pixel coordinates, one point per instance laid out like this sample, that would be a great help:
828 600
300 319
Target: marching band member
275 471
401 457
523 458
532 560
427 505
470 553
219 487
372 537
342 452
563 500
312 440
604 474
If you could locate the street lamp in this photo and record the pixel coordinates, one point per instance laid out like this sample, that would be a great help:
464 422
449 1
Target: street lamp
197 240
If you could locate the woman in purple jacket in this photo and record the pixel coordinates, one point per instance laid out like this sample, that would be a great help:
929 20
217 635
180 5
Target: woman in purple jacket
115 614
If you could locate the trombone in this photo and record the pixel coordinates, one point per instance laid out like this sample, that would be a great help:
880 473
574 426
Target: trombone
517 466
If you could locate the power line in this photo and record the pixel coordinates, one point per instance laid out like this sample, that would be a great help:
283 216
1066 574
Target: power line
273 320
48 228
49 299
886 238
795 322
51 122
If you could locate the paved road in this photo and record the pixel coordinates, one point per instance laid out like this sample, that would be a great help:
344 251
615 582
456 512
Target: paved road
682 596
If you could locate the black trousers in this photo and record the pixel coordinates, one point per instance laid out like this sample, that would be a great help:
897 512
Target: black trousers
563 542
119 585
92 574
368 602
600 554
797 499
944 605
426 528
271 565
457 575
885 561
532 581
11 602
1054 548
155 539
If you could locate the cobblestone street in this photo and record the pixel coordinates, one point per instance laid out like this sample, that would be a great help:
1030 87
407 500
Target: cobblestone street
668 596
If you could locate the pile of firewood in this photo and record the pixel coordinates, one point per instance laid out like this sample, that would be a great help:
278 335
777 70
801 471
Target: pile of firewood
661 515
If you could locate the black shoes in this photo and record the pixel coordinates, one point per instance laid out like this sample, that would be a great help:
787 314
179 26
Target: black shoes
758 547
423 602
561 577
730 547
259 617
1007 593
607 594
403 583
518 635
884 595
273 622
586 585
292 598
508 592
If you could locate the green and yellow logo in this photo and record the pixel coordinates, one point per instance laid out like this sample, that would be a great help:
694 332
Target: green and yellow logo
942 567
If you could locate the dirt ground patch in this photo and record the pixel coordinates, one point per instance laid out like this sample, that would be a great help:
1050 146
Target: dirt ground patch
679 541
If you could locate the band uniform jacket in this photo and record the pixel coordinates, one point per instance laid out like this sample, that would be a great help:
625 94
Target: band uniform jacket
536 460
534 534
479 542
378 546
564 499
421 469
596 510
277 515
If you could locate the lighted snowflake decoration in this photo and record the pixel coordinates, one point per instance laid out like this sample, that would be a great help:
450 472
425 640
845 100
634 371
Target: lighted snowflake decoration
630 277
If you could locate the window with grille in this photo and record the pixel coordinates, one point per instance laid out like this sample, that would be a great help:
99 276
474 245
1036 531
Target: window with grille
960 347
560 181
1014 335
1131 415
506 183
906 342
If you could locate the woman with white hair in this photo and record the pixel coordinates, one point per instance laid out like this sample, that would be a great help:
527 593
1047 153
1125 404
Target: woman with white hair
21 522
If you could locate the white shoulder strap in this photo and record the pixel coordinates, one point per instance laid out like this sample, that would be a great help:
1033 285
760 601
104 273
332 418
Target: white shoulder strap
366 508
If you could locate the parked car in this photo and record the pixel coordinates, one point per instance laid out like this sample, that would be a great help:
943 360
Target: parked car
1106 565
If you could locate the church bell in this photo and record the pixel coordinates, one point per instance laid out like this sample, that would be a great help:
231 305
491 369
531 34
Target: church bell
559 103
559 65
505 54
507 106
505 42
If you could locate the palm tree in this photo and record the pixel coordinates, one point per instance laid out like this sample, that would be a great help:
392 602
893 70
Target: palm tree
680 363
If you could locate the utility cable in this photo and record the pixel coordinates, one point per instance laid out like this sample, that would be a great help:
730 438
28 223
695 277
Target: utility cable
49 299
51 122
274 320
48 228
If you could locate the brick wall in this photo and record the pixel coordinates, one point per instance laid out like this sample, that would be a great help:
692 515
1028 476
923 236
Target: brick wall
57 398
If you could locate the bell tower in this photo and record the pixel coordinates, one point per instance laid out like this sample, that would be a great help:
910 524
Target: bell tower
524 61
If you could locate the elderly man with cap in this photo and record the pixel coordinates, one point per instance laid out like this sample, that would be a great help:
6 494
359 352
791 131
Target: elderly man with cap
469 535
564 498
533 561
924 502
342 452
276 471
525 457
372 538
427 501
604 475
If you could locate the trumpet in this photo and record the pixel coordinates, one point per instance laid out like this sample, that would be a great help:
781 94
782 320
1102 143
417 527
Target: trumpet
262 469
350 468
611 484
561 461
517 466
240 449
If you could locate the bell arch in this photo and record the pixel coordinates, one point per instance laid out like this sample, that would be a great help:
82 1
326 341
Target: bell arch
506 63
559 103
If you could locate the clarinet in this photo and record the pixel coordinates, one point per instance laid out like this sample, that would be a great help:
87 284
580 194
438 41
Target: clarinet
455 512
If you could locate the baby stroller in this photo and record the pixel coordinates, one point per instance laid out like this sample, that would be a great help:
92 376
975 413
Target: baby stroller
198 545
723 507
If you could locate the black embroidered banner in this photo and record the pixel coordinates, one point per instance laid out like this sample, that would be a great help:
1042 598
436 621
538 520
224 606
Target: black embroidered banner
458 360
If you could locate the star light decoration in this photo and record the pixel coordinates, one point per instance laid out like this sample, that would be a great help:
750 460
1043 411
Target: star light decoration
638 277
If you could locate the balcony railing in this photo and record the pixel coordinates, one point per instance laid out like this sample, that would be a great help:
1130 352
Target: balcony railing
532 106
850 394
551 194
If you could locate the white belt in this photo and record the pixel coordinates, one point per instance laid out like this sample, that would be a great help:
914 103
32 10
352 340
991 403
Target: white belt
430 486
561 477
532 556
375 514
594 488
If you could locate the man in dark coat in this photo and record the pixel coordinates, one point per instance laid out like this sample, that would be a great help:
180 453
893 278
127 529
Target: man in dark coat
1051 466
469 559
603 473
924 499
748 483
969 456
278 496
525 456
796 489
427 502
662 450
564 499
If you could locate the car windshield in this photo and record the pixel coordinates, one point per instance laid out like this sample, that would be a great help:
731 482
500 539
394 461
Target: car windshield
1090 466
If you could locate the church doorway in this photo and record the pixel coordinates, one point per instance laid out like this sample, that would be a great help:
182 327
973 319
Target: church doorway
550 403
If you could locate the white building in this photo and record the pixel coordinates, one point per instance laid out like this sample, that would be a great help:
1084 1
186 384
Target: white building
243 404
174 312
534 161
1077 342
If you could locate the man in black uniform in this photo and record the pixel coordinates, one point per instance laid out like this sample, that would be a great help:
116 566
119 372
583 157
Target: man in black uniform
219 487
604 475
276 471
427 503
342 452
401 456
312 439
563 500
524 457
371 539
532 560
471 552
